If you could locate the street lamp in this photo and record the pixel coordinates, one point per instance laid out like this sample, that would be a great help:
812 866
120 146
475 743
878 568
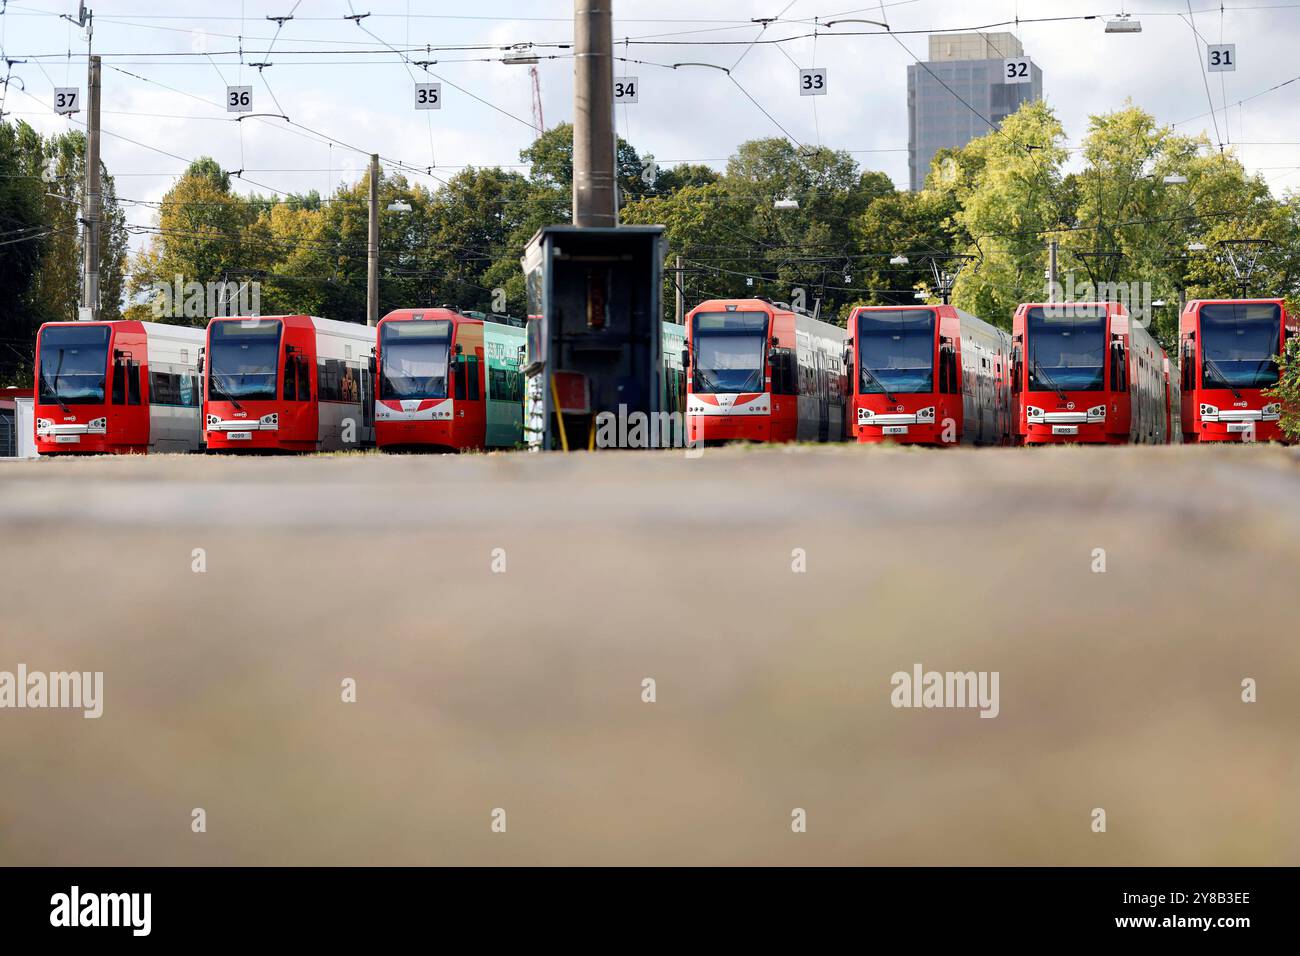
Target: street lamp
399 205
1196 247
899 261
1123 24
1175 179
786 204
520 54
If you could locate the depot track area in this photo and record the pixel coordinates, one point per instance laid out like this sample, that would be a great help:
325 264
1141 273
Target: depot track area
522 690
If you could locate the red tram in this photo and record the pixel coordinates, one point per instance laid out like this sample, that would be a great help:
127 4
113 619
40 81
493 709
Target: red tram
115 387
1087 372
758 371
288 383
928 375
447 380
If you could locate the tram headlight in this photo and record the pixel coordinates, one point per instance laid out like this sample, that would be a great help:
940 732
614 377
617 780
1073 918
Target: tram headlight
926 415
1209 413
98 424
270 421
1097 413
1273 412
44 425
1034 412
864 416
213 421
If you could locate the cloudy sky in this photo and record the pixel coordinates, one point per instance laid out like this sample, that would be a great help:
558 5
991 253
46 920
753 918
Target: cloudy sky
167 68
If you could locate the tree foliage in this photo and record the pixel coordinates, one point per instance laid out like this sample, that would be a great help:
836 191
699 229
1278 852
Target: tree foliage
1134 202
42 186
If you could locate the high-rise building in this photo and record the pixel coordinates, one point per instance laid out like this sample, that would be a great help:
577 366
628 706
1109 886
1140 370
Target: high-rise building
973 66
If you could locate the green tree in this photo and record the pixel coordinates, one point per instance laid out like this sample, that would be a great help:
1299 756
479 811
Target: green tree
1008 186
916 225
203 234
23 239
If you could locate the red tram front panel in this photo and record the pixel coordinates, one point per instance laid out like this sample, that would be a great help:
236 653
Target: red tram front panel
420 400
90 388
254 367
1226 354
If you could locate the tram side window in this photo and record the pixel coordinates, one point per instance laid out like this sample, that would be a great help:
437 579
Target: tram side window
126 382
1189 365
1118 366
948 378
172 388
297 383
471 373
329 386
505 385
350 382
783 371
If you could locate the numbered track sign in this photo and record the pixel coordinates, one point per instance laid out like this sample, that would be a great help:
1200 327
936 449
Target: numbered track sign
627 89
1221 58
67 99
812 82
239 99
1016 70
428 96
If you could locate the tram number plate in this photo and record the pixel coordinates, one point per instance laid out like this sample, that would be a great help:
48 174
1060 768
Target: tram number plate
1239 426
893 430
66 439
1065 429
240 436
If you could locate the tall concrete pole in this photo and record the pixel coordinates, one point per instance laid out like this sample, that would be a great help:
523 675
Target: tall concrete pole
372 247
91 211
594 200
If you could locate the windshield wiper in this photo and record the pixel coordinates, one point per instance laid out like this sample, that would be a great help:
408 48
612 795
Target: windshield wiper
54 385
1222 377
217 376
53 390
1047 380
889 396
709 384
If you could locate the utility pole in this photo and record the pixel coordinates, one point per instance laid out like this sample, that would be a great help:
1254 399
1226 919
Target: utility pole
91 213
679 277
1051 271
594 199
372 247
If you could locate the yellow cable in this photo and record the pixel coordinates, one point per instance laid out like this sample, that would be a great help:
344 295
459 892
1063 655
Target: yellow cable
559 415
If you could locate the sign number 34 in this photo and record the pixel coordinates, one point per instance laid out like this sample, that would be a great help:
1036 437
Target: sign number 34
626 89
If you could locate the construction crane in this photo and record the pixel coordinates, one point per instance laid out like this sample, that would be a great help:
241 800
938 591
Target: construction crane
538 121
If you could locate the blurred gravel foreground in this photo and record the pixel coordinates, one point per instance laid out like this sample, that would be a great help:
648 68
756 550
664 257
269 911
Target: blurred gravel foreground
479 689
